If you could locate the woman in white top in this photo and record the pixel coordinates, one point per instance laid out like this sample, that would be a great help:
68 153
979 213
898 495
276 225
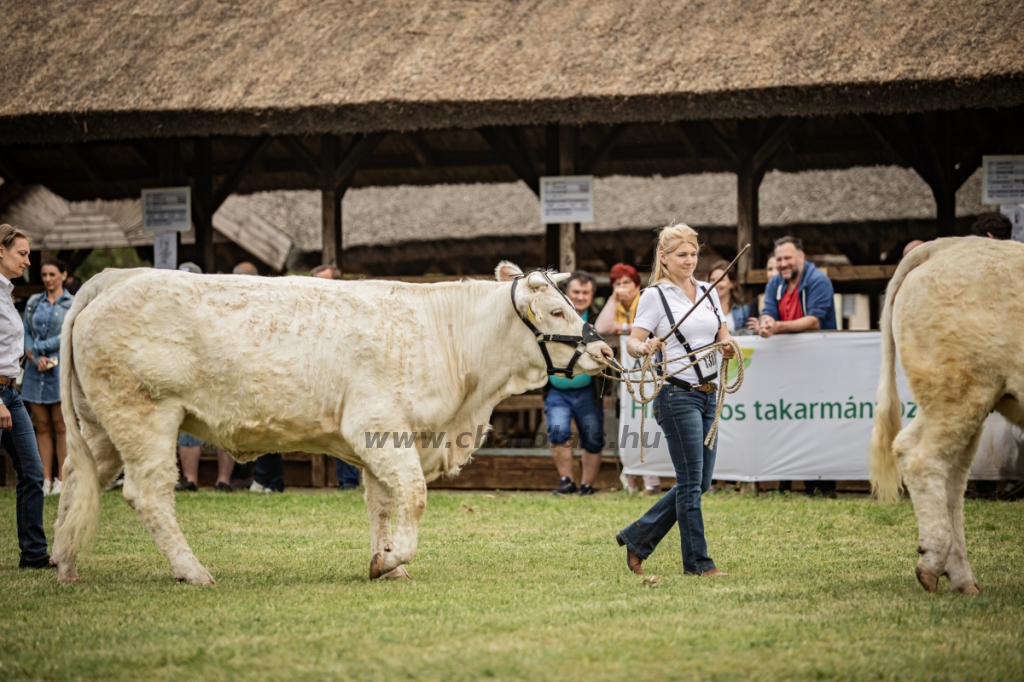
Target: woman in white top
17 435
685 407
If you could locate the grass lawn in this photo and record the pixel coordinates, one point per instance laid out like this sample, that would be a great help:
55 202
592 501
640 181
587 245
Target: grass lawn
516 586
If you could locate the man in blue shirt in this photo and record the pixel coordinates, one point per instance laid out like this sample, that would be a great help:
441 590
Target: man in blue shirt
798 299
568 399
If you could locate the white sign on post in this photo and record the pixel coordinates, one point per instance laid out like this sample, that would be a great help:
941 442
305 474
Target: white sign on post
567 199
1002 180
165 250
168 209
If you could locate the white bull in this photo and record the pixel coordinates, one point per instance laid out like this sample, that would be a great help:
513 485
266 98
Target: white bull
257 365
955 313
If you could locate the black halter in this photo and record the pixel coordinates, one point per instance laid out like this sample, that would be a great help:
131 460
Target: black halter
580 342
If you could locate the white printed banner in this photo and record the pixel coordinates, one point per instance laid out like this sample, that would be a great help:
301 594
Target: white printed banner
805 411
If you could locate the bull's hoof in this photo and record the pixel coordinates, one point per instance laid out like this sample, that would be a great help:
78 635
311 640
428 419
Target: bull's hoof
398 574
67 574
376 566
968 588
198 576
929 581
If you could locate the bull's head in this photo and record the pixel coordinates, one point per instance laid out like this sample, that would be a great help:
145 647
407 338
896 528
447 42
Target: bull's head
566 341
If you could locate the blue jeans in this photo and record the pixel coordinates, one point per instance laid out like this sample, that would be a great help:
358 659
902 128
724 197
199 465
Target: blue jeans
562 405
269 471
20 444
685 417
348 475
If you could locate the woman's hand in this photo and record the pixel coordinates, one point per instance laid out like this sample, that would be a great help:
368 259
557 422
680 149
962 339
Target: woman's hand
43 364
30 356
752 323
5 418
728 352
649 346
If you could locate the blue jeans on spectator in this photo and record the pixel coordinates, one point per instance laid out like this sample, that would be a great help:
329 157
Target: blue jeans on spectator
561 406
20 444
269 471
348 475
685 417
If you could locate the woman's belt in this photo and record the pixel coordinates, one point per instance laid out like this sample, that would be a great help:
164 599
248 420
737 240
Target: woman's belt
8 381
710 387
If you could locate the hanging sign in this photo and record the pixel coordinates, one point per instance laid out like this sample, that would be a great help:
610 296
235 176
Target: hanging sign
165 250
167 209
567 199
1002 180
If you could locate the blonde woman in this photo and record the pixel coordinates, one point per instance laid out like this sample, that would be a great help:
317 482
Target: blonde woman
685 407
17 435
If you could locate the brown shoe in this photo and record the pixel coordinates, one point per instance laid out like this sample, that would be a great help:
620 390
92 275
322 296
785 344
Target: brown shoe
714 573
632 560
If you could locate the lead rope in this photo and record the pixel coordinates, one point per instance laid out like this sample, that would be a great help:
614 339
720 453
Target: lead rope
647 365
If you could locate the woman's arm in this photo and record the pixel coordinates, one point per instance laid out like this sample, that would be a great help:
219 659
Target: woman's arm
638 343
29 349
605 322
723 335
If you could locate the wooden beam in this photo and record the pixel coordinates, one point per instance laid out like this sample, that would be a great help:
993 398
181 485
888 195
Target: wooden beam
500 140
424 154
567 138
360 150
73 153
8 168
774 141
718 144
202 204
747 210
839 273
301 153
330 202
604 147
231 182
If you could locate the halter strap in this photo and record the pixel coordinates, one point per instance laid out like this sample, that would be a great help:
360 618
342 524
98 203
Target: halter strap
580 342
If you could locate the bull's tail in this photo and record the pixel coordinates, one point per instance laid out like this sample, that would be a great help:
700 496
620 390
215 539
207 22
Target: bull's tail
78 517
886 481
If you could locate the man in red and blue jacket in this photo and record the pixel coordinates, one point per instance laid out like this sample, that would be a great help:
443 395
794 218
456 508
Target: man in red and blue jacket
799 298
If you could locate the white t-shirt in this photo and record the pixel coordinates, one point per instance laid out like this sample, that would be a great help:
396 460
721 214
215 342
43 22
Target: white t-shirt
700 328
12 332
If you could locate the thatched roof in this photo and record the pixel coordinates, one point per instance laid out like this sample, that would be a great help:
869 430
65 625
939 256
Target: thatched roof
384 215
127 68
55 224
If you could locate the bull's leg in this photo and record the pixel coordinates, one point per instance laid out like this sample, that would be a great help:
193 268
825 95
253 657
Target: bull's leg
958 569
927 449
108 464
381 507
147 445
399 470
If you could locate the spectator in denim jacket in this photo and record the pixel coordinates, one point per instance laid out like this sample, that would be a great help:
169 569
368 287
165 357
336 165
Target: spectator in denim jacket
40 389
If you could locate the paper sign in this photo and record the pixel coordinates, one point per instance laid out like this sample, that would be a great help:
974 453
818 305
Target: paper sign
1003 180
567 199
168 209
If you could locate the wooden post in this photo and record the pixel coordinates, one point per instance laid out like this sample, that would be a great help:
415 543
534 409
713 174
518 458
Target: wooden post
330 202
552 232
945 192
748 183
567 166
202 212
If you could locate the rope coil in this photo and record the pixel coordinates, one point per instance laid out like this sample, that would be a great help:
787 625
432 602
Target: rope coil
636 387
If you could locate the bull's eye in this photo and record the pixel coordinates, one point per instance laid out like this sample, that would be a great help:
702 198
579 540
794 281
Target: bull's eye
556 313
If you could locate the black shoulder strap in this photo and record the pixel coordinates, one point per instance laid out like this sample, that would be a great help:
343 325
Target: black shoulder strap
701 379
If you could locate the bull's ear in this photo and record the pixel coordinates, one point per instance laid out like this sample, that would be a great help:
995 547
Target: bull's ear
506 271
560 277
